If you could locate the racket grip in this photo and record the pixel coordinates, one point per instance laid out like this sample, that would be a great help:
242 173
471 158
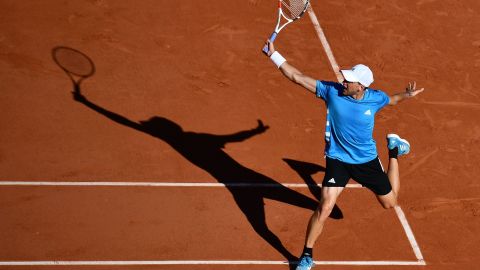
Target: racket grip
272 39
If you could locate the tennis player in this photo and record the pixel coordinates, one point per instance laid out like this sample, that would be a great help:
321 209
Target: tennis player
350 149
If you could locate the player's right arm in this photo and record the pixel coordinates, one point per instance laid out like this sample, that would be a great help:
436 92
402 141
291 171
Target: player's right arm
293 73
298 77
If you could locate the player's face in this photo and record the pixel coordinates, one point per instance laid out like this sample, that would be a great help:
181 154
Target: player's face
351 88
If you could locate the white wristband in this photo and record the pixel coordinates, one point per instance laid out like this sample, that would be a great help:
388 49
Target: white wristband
277 59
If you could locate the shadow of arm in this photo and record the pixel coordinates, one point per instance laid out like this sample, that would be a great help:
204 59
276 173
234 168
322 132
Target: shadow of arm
246 134
110 115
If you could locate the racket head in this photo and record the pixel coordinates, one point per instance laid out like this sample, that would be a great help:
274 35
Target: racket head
73 61
293 9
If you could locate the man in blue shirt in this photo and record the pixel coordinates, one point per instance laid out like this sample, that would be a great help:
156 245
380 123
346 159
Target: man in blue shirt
349 146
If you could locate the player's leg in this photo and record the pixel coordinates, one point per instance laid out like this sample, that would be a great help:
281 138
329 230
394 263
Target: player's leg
396 147
390 200
320 215
372 176
334 181
316 223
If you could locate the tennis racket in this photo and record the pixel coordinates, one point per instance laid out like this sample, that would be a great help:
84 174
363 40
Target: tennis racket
290 10
74 63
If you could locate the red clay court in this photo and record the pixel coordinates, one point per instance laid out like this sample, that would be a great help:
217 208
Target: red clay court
170 164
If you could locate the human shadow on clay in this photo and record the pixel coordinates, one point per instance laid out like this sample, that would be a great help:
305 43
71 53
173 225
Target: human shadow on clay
305 170
206 152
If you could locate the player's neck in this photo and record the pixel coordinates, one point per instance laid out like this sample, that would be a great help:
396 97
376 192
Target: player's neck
359 95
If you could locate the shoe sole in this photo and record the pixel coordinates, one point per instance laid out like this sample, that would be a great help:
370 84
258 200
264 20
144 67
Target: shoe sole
398 137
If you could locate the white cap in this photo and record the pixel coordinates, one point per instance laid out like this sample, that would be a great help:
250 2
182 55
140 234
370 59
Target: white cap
359 73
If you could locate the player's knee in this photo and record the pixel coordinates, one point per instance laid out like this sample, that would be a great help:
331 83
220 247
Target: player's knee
389 204
326 207
322 213
389 200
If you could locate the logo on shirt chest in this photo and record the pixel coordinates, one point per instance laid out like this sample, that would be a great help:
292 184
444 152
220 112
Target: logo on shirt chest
367 112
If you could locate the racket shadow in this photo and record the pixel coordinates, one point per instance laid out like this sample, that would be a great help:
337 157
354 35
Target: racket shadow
77 65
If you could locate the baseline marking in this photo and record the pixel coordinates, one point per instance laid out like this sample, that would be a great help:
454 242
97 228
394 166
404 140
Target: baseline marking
159 184
44 263
398 211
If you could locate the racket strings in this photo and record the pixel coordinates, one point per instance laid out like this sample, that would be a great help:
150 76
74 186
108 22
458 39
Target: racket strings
293 9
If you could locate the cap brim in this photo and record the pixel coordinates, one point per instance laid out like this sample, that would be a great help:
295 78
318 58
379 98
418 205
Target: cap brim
349 75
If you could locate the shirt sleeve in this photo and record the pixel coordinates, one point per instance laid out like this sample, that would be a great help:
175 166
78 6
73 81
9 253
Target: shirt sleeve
324 88
321 90
382 99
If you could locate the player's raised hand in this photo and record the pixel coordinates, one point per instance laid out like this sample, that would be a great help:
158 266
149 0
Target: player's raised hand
271 48
412 89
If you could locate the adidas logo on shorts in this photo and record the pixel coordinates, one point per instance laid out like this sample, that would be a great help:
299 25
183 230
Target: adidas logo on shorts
332 181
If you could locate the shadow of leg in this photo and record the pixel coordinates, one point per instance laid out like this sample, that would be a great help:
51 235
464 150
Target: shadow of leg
306 170
251 203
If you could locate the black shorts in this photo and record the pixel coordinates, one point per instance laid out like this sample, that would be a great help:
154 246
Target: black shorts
370 175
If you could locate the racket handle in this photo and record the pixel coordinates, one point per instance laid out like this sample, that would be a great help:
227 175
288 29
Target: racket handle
272 39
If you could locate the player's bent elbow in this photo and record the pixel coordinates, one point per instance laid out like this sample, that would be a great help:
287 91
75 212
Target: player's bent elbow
393 100
297 78
302 80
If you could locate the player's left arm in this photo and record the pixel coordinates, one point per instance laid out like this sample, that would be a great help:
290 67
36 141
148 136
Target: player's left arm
410 92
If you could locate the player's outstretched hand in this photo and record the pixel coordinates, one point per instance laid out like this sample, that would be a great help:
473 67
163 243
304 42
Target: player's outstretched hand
412 89
271 48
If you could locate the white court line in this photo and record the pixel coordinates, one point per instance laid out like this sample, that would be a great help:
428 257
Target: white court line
326 45
336 69
159 184
123 263
398 211
409 233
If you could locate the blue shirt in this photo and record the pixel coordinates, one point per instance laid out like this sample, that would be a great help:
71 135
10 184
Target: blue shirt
350 122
